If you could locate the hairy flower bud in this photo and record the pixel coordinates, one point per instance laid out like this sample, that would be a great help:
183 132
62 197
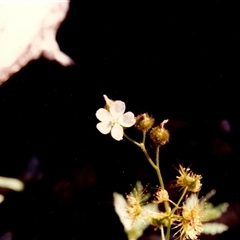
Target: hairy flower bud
189 180
159 135
161 196
144 122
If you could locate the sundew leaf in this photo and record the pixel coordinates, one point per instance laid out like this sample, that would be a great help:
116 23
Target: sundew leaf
214 228
135 229
212 213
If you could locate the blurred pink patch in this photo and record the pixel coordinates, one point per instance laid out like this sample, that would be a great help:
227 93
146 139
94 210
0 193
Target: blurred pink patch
27 31
225 125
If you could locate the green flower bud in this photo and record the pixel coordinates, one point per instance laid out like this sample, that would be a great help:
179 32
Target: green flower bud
159 135
189 180
144 122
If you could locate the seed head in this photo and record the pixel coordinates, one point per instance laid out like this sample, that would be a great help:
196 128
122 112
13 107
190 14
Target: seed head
144 122
159 135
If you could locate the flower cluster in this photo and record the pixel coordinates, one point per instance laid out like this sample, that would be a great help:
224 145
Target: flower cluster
113 120
187 213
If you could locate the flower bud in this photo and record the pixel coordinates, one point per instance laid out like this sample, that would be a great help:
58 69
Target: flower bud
189 180
161 196
159 135
108 102
144 122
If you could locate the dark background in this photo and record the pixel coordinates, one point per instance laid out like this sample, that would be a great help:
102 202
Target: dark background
172 59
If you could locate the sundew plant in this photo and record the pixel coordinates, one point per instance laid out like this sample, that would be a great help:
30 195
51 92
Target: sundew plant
186 218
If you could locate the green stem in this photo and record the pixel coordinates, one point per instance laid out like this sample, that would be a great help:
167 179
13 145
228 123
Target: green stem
142 146
162 234
144 138
172 212
166 204
131 140
180 199
158 168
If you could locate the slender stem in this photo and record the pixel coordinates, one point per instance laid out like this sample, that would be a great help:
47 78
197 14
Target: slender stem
180 199
144 138
131 140
162 234
172 212
168 229
173 203
166 204
142 146
158 168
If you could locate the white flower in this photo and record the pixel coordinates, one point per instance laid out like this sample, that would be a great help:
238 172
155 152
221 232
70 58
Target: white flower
115 119
192 216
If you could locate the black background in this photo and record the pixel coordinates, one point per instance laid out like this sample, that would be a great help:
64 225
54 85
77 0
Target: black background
173 59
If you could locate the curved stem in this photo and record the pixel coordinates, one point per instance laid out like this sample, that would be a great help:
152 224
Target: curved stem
173 203
131 140
157 168
142 146
180 199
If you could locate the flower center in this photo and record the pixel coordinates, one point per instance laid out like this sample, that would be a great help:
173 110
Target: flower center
114 121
